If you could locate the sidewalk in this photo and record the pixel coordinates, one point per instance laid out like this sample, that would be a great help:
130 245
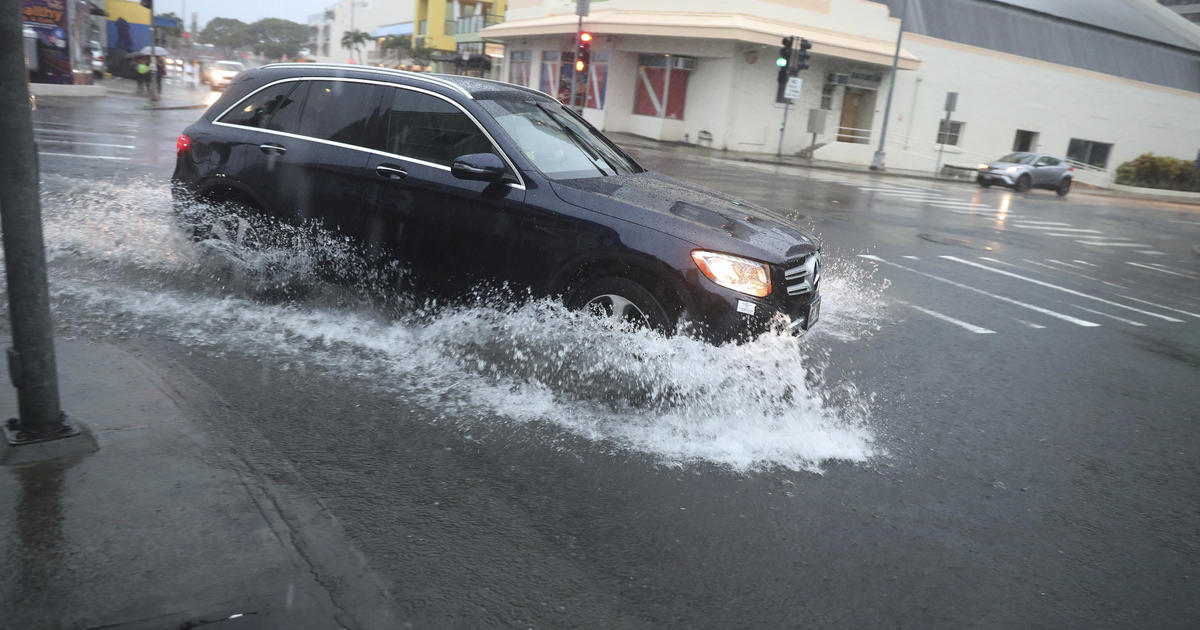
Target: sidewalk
678 149
174 95
167 524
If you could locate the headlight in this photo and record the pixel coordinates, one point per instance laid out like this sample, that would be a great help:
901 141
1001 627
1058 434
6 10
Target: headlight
731 272
1012 169
983 167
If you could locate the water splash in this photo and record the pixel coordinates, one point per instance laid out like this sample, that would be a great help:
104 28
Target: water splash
123 267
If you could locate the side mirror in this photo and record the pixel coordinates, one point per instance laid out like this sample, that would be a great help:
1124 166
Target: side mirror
484 167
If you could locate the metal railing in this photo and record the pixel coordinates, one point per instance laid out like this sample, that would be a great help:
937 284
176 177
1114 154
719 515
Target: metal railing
475 23
854 135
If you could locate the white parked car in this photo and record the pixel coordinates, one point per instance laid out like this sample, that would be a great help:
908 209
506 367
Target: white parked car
221 73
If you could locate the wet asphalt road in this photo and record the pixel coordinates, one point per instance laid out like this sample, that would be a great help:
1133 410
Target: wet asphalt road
1031 366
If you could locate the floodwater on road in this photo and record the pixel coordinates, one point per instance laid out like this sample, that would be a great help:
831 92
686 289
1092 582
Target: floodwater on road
121 266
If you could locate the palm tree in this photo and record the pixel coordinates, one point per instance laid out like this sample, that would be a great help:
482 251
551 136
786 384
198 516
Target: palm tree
353 40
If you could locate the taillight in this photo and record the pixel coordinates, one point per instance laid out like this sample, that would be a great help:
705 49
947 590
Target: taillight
183 144
1072 169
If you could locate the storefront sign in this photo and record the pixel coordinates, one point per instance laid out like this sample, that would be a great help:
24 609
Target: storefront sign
49 19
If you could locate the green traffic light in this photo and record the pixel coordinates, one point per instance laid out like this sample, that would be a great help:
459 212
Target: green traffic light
781 62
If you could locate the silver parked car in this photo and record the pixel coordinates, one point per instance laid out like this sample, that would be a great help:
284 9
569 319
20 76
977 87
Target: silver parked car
1022 171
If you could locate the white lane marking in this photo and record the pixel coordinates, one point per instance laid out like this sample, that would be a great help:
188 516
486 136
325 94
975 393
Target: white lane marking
1099 244
90 157
979 330
1177 310
1076 273
911 257
1056 229
1151 252
1031 324
1008 300
1159 268
1065 264
1056 287
1032 222
87 144
1103 314
1083 262
1062 235
1000 262
69 132
1180 221
125 126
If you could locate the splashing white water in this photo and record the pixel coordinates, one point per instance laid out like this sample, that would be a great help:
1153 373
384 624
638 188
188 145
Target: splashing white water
752 406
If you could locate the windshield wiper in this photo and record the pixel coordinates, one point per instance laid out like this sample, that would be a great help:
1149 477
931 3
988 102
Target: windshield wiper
593 155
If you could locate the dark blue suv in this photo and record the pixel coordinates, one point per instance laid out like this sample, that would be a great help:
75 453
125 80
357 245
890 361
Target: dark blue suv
466 180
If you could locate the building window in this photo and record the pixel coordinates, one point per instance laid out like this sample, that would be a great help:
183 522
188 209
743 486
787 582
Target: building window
827 92
1089 152
595 80
519 64
551 81
662 85
949 132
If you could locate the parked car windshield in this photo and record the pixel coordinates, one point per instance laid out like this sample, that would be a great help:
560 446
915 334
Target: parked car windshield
1018 158
558 143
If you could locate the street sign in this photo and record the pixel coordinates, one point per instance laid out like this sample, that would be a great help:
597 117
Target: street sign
951 101
792 90
581 7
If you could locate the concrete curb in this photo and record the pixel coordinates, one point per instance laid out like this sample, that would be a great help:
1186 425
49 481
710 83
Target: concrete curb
54 89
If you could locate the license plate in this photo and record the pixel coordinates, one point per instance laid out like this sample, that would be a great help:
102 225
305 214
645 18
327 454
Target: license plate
814 312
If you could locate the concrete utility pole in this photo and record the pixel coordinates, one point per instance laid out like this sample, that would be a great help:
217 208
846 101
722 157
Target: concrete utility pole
31 362
880 159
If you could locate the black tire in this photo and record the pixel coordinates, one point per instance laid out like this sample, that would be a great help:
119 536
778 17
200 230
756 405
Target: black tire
983 183
1063 187
1023 183
637 304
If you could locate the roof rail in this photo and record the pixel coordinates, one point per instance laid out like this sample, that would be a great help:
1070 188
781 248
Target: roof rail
419 76
515 86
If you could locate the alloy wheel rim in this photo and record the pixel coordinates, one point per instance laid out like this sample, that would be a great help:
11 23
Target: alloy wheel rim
618 307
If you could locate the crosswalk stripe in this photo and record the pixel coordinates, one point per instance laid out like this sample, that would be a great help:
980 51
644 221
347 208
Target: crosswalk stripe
1049 285
967 287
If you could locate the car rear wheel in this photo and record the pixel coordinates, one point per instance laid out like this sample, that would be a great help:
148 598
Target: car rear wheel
1064 187
1023 183
622 299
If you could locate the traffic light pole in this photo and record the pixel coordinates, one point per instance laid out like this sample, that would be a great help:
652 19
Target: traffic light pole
575 65
31 362
786 106
878 162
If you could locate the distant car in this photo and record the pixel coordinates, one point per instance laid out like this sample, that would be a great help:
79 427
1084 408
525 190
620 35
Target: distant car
220 74
467 180
1022 171
96 51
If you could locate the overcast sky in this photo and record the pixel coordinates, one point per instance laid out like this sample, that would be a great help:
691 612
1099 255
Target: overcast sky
244 10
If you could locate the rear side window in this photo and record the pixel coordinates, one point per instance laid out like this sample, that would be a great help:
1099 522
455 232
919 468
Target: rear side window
425 127
339 110
262 106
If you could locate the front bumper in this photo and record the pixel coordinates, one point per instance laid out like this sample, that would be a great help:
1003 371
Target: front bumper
794 305
995 177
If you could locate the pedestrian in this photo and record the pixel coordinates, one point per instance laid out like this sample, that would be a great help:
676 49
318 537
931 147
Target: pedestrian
160 73
143 74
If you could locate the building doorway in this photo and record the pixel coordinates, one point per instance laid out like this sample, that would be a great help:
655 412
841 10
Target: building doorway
1025 140
858 111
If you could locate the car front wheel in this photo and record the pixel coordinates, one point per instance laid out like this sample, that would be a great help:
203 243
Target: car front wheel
622 299
1023 183
983 183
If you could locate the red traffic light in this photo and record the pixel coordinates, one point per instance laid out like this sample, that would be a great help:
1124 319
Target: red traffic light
585 38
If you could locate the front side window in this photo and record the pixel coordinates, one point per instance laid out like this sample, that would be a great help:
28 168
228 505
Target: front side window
259 109
1018 158
339 111
427 128
560 145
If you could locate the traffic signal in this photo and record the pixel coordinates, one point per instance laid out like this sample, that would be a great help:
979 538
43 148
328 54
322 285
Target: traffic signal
584 51
802 57
784 61
785 53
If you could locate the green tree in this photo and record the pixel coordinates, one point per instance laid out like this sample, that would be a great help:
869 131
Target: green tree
275 38
227 33
353 41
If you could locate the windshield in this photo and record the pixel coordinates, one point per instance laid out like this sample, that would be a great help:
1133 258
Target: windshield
1018 158
230 65
557 143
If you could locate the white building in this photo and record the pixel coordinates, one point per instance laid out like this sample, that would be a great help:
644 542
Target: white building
1100 81
376 18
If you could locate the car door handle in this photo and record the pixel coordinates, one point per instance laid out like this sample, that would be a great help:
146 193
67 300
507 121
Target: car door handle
271 148
391 172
